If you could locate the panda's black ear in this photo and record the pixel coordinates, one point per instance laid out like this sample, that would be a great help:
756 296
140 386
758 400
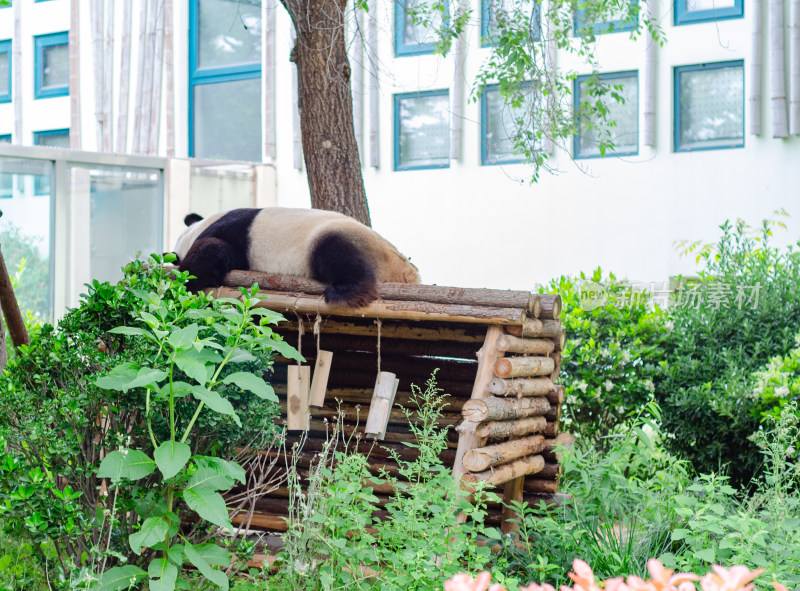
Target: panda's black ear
192 218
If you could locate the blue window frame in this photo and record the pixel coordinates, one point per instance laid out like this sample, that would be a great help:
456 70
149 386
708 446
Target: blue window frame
488 23
688 12
5 71
624 134
499 123
52 65
56 138
411 39
225 79
422 130
709 106
626 22
5 138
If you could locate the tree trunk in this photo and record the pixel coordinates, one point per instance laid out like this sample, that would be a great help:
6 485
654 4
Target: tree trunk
326 107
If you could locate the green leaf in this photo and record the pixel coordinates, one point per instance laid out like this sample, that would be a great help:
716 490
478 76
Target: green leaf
215 576
193 367
708 554
252 383
287 350
130 331
209 505
213 400
119 577
163 575
213 478
137 465
171 457
241 356
153 531
147 376
119 377
213 554
228 467
184 338
111 466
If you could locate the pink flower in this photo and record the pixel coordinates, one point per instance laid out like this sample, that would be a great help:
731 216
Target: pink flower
778 586
663 579
735 578
464 582
583 577
615 584
538 587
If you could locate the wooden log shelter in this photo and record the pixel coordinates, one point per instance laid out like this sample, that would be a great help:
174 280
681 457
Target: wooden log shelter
497 354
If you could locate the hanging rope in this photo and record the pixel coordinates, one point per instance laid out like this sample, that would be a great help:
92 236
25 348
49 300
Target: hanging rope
318 329
300 331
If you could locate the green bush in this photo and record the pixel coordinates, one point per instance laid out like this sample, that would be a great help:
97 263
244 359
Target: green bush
614 336
153 341
743 310
30 270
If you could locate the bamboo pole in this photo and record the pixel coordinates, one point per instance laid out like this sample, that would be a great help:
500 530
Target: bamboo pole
756 69
521 387
410 331
515 367
8 301
506 472
512 344
124 79
483 458
301 286
533 327
169 65
392 346
374 93
387 309
158 75
74 77
138 118
503 409
777 69
794 67
516 428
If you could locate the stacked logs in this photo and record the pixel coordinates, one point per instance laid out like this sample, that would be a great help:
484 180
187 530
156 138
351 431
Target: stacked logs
497 354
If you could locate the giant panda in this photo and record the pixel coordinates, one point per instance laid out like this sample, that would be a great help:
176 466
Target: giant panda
332 248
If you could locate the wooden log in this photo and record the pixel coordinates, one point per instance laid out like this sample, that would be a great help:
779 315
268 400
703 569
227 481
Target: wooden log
437 294
8 302
518 428
263 521
351 397
382 451
541 485
482 458
550 452
392 309
533 327
468 333
560 341
515 367
556 357
297 387
550 306
554 414
359 414
551 471
511 494
512 344
319 384
409 365
550 429
503 409
556 397
382 400
468 436
521 387
506 472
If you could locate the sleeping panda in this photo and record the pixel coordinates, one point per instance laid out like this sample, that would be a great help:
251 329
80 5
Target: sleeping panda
323 245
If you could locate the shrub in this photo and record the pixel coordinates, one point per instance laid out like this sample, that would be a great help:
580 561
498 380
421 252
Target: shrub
744 309
611 356
119 379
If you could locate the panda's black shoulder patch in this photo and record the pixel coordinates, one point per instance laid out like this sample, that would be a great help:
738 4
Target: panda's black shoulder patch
192 218
233 228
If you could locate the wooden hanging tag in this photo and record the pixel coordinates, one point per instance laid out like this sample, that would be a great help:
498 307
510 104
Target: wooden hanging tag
381 405
319 384
297 389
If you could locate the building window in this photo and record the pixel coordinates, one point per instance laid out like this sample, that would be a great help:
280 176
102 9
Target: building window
623 19
412 36
698 11
499 124
52 65
5 71
54 138
511 13
6 179
422 130
225 79
709 106
5 138
619 127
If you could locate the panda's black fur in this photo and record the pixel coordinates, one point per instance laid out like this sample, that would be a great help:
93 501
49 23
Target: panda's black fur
329 247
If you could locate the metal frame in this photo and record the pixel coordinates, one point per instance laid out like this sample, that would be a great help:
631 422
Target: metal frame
5 48
610 27
199 76
678 70
577 102
402 49
41 42
486 19
517 158
686 17
397 99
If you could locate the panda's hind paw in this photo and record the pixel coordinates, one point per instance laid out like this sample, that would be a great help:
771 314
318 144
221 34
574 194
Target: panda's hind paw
351 295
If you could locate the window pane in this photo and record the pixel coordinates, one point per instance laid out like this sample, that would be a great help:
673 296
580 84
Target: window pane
420 34
712 107
5 68
227 120
55 66
54 140
25 232
621 125
500 127
229 34
424 131
697 5
515 14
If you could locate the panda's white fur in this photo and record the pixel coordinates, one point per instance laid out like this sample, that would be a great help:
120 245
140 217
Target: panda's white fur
323 245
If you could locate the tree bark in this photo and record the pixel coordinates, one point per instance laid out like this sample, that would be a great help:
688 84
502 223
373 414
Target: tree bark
326 107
